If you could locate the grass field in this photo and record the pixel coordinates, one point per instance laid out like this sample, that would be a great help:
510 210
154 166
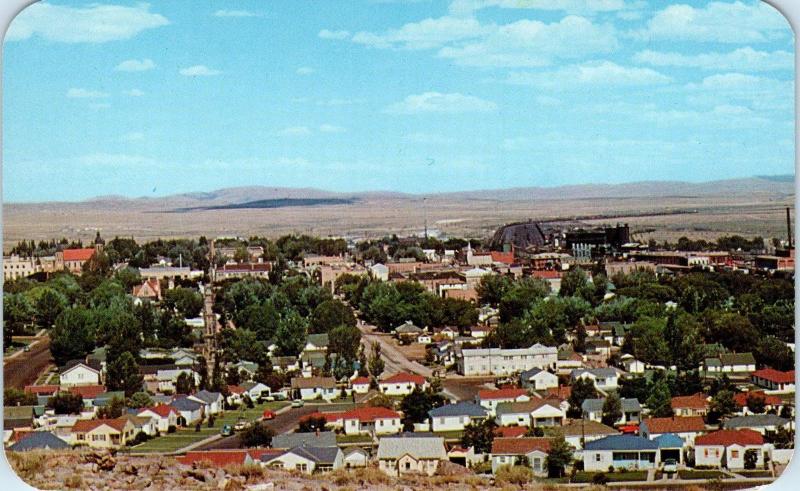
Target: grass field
172 442
625 476
345 439
701 474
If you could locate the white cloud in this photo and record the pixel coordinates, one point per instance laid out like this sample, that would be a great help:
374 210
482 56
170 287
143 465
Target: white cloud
95 23
199 71
593 73
533 43
135 65
327 34
466 7
115 159
132 136
76 93
425 34
234 13
759 93
295 131
735 22
747 59
305 70
133 93
436 102
329 128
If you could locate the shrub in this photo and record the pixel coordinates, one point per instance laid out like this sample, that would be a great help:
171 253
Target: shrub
600 479
251 472
171 429
74 481
211 421
514 475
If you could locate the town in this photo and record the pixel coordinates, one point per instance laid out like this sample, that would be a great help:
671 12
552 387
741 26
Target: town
547 352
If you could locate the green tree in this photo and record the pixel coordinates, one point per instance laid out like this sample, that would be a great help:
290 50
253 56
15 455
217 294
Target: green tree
559 456
123 374
65 403
114 409
140 400
18 314
415 406
291 335
491 289
312 423
684 341
256 435
345 341
574 281
612 409
722 405
72 336
521 296
188 302
582 389
479 435
750 458
375 362
660 400
184 383
756 403
331 314
16 397
49 306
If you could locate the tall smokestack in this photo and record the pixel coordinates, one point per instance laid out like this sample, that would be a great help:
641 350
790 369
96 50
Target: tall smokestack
789 226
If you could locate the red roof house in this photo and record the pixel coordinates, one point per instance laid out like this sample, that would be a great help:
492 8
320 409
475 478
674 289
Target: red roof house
769 399
520 446
82 255
217 458
88 391
510 431
727 438
769 378
43 390
404 378
510 394
674 424
693 405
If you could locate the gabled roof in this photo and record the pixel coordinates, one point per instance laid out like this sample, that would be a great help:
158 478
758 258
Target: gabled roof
562 391
597 372
510 431
236 389
694 401
42 389
310 439
526 407
360 381
318 340
596 405
87 425
217 458
580 427
370 414
675 424
185 404
669 440
622 442
18 412
737 359
403 378
519 446
462 408
418 447
727 438
88 391
78 254
775 376
501 394
755 421
162 410
207 396
319 455
407 327
36 440
76 365
769 399
313 383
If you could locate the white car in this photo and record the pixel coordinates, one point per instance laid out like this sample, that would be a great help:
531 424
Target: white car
670 465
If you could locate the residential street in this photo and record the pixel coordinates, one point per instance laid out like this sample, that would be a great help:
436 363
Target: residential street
283 423
24 368
395 360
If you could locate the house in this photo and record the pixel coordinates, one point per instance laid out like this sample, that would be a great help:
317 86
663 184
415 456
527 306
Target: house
632 365
39 440
465 456
505 362
217 458
631 410
454 417
491 398
164 416
603 378
774 380
18 417
509 451
538 379
307 439
212 401
355 457
401 384
371 420
686 427
761 423
411 454
735 363
145 425
360 385
189 411
568 361
536 412
167 378
579 431
73 259
771 401
307 460
88 393
424 338
255 390
620 452
310 388
379 272
78 373
510 431
150 289
103 433
407 332
726 448
693 405
316 342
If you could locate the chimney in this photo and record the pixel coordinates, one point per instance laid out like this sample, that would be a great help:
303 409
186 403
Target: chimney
789 226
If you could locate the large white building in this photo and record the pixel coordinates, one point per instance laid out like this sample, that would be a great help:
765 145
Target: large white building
504 362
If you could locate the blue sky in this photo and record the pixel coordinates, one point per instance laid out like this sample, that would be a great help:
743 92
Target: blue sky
416 96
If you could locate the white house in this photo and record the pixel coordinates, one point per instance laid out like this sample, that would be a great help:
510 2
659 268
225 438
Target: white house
761 423
726 448
79 374
380 272
355 457
509 451
163 415
371 420
489 399
311 388
536 412
620 452
401 384
256 390
189 411
730 363
632 365
360 385
455 417
603 378
212 401
685 427
306 459
410 454
538 379
504 362
775 381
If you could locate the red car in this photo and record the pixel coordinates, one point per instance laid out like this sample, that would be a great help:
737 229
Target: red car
268 414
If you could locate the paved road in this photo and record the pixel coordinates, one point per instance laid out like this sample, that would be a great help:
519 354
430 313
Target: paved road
394 359
283 423
25 368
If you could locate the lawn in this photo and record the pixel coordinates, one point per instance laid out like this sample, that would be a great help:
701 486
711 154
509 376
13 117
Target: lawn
701 474
450 435
754 473
345 439
172 442
623 476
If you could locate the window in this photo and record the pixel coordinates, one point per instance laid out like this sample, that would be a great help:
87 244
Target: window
302 467
735 454
408 465
441 421
597 457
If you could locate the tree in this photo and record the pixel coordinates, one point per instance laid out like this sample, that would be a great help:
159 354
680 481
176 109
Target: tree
65 403
660 400
345 342
123 374
140 400
16 397
312 423
521 296
612 409
491 289
49 306
415 406
582 389
682 334
329 315
750 458
756 403
256 435
559 456
722 405
114 409
291 334
184 384
479 435
73 335
381 400
186 301
375 362
573 282
18 314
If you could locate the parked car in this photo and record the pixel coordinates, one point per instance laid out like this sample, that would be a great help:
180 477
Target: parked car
268 414
670 465
298 403
226 430
240 425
